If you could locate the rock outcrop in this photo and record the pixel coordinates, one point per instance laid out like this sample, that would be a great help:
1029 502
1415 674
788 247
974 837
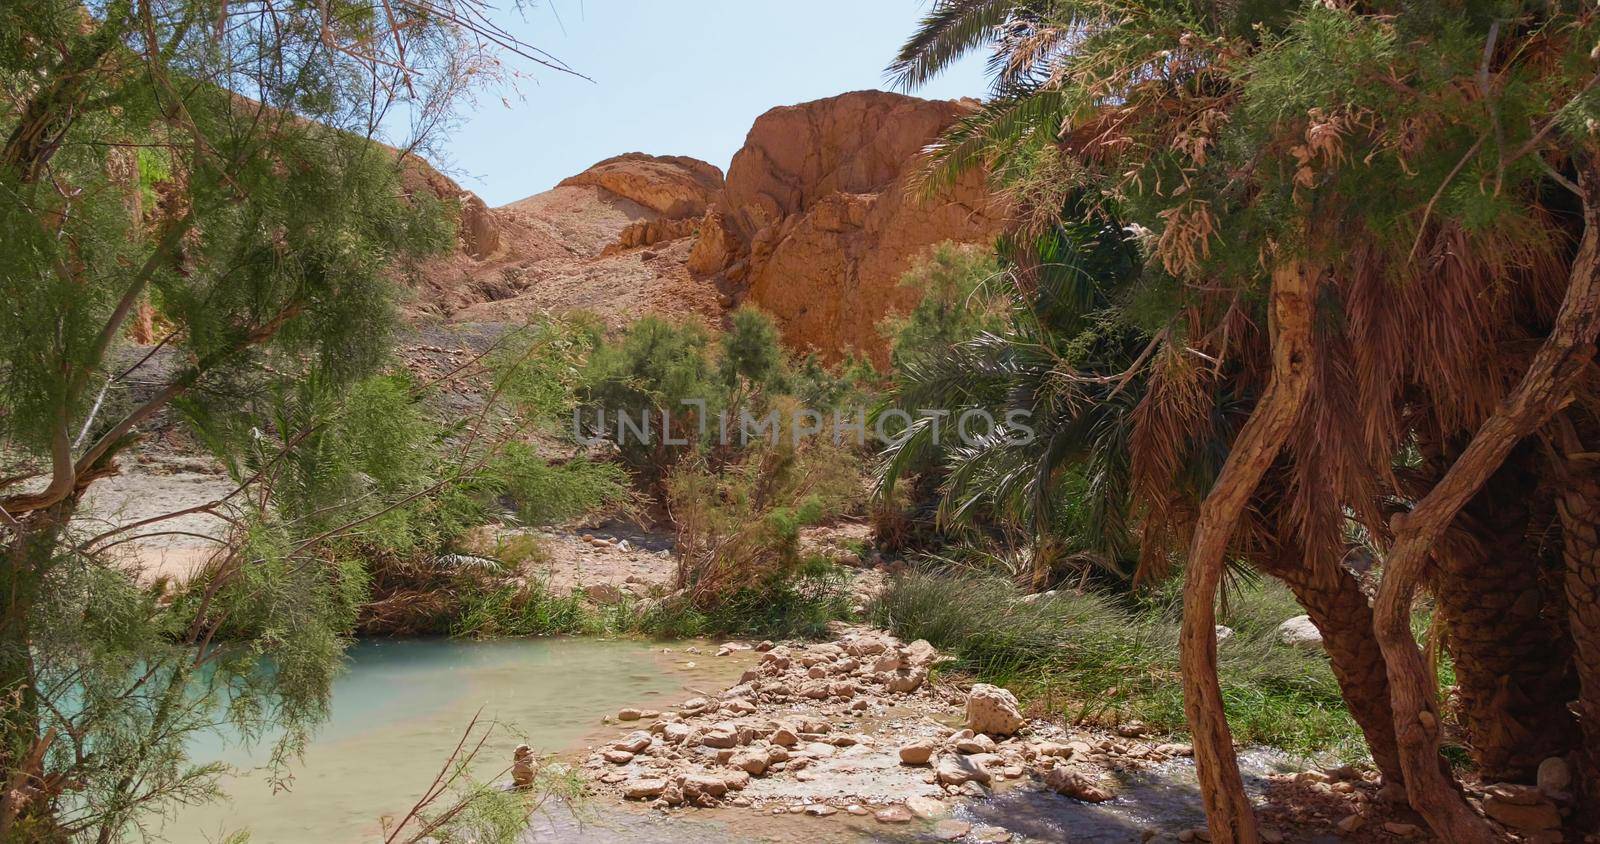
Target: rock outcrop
674 186
820 216
578 246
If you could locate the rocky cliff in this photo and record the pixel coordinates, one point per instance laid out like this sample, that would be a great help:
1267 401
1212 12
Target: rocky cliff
819 221
815 223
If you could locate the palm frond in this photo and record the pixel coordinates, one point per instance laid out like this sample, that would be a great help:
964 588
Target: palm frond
950 30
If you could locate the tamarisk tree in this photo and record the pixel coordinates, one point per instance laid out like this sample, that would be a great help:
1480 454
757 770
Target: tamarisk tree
206 169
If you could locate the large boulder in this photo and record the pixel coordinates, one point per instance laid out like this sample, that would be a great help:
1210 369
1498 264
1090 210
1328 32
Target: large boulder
820 218
993 710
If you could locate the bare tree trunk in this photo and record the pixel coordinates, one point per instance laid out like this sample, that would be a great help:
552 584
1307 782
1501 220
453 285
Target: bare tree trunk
1228 812
1556 367
1340 611
1505 623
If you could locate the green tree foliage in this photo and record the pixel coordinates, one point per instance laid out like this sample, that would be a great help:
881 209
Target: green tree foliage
663 370
1413 189
211 166
960 293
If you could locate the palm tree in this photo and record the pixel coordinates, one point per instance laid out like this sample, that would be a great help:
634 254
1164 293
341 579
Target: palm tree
1397 268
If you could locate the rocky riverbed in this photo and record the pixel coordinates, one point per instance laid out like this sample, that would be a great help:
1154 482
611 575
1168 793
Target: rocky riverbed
855 728
857 733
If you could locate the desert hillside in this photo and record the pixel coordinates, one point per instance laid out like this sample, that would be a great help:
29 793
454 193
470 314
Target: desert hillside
815 223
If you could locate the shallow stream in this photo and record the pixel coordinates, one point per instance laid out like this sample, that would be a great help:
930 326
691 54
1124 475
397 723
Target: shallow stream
401 707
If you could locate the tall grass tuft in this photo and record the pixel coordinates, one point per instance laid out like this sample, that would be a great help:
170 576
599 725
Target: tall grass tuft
1097 659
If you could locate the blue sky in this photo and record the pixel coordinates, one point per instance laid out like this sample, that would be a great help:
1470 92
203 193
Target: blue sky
674 77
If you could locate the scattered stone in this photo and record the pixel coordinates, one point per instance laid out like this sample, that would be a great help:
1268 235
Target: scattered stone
1270 835
644 789
993 710
820 810
753 762
629 714
979 743
721 737
1351 823
893 814
1224 633
917 752
1072 784
634 742
1175 749
920 654
1403 830
1513 806
1343 772
1132 729
926 808
1299 632
996 834
954 770
1554 776
617 757
1054 750
905 682
951 829
696 785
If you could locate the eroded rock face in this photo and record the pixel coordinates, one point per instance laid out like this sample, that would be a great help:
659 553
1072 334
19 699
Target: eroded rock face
674 186
818 220
479 230
612 240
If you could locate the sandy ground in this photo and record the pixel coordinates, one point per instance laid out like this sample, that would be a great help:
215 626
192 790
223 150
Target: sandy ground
172 548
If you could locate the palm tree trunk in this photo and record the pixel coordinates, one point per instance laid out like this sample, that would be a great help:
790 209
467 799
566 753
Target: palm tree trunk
1504 618
1341 612
1557 366
1579 506
1228 812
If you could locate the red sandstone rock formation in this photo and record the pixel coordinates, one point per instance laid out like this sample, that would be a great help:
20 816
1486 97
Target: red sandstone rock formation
818 221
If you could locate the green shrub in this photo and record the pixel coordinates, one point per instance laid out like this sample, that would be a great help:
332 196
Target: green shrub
512 610
658 366
751 356
958 301
799 604
544 493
